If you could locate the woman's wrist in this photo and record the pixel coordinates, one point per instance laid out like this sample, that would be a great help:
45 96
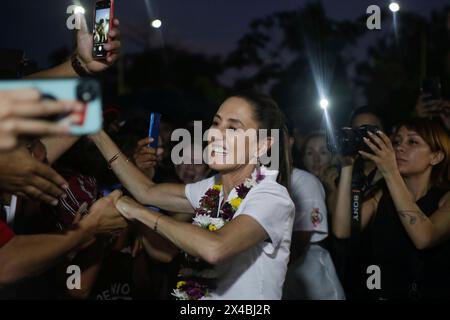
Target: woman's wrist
347 170
139 214
96 137
392 176
79 66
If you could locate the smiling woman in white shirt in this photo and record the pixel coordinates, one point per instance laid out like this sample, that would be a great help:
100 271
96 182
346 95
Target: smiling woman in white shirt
237 246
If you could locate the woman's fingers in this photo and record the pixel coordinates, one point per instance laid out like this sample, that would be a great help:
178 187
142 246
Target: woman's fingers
367 155
80 212
33 127
112 58
37 194
112 46
51 175
42 108
376 140
371 145
143 142
385 138
114 33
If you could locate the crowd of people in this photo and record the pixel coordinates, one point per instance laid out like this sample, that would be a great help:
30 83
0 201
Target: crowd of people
138 226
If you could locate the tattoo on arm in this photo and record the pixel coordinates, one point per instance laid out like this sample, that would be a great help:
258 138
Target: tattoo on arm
412 215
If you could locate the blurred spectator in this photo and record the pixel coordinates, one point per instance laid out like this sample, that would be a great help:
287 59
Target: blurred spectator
311 274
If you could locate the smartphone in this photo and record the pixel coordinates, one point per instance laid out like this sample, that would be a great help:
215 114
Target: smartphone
431 89
85 90
103 23
153 131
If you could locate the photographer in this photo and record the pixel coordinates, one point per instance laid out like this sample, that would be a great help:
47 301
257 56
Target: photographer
407 217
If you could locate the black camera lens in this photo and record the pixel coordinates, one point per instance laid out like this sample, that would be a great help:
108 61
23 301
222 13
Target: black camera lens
87 90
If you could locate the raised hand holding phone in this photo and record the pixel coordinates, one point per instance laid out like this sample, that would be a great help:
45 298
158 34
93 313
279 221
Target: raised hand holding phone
85 47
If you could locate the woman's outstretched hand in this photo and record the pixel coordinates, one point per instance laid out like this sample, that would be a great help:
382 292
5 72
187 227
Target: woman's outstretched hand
85 43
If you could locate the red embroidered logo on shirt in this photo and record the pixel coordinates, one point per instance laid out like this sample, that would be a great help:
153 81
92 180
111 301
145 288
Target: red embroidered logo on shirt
316 217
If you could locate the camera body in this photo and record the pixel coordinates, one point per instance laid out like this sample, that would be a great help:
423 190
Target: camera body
85 90
348 141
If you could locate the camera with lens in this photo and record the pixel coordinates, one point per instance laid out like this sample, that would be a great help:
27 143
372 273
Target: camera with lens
348 141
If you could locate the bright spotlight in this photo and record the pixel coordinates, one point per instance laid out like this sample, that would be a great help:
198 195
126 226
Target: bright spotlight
156 23
394 7
324 103
79 9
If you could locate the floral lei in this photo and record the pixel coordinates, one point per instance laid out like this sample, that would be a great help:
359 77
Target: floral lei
197 277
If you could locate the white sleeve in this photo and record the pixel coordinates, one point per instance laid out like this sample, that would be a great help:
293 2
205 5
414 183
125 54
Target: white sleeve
195 191
310 207
270 205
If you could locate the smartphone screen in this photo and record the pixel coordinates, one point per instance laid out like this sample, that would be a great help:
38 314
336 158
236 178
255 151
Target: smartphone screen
102 24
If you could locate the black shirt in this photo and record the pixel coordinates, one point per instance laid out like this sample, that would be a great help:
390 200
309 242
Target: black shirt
406 272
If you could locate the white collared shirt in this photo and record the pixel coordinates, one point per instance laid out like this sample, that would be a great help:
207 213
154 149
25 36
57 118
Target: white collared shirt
310 207
259 272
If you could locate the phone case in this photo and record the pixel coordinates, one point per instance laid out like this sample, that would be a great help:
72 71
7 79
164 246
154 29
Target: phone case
153 130
67 89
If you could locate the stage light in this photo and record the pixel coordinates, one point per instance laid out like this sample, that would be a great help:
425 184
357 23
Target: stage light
156 23
394 7
79 9
324 103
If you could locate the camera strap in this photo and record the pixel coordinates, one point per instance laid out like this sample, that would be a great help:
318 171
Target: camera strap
358 180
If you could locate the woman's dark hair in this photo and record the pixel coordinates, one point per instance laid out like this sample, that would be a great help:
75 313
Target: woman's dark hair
433 132
269 116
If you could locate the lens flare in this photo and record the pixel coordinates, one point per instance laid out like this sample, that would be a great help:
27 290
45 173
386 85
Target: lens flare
394 7
324 103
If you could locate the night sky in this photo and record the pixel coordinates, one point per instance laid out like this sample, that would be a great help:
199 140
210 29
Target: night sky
211 26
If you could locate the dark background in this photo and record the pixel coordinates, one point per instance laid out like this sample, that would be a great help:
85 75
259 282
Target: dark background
209 48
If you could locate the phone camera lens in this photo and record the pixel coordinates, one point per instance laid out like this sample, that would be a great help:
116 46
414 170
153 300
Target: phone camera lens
87 90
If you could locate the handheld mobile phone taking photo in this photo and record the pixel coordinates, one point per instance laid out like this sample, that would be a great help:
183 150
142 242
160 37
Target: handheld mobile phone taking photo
153 131
103 23
85 90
